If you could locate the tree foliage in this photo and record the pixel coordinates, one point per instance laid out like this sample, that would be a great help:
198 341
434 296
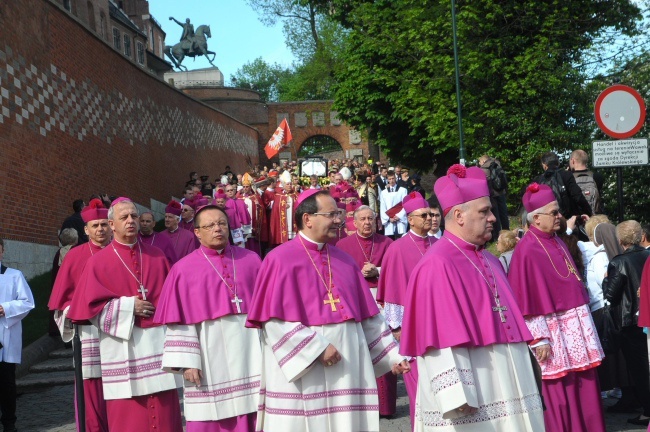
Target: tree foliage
522 93
267 79
313 38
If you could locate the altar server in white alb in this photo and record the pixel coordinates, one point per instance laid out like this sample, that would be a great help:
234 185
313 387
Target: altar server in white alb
15 303
204 303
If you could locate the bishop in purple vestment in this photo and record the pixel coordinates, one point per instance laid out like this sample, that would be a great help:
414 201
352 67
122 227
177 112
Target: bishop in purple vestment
367 248
462 324
324 342
399 261
181 239
555 303
148 236
204 303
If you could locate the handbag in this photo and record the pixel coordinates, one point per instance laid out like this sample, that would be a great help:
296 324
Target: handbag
610 332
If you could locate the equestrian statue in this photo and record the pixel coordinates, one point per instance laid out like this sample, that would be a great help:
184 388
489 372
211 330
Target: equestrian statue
192 44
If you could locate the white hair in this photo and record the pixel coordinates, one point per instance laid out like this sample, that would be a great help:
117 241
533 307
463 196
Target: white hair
111 210
362 208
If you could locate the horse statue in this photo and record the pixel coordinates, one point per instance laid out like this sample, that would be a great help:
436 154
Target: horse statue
199 47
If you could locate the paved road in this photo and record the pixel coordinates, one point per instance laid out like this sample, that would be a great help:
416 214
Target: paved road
52 411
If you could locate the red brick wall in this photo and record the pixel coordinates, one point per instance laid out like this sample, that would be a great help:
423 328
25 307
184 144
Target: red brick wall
77 118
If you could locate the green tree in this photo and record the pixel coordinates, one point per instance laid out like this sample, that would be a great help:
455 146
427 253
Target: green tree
267 79
522 90
315 40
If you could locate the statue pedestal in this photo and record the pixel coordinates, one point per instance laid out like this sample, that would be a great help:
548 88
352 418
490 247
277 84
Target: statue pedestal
208 77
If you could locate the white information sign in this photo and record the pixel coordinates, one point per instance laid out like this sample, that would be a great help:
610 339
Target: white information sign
627 152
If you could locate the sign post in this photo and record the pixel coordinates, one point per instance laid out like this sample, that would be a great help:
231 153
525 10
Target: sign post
620 113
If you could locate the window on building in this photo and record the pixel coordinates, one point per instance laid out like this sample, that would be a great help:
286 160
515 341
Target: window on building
117 39
91 17
140 53
127 45
151 40
67 4
102 25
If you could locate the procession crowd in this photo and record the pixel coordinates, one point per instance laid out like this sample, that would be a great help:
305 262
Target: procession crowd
283 302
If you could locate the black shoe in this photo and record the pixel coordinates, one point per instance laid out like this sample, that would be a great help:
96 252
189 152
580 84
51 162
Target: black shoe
623 408
638 421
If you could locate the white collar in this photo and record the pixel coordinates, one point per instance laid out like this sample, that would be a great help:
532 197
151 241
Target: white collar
320 245
126 244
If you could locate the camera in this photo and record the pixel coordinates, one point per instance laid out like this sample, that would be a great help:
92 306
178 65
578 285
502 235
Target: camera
520 233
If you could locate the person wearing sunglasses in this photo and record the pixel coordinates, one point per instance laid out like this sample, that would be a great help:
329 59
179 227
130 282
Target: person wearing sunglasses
552 296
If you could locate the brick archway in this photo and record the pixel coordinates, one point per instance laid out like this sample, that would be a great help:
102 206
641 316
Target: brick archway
320 145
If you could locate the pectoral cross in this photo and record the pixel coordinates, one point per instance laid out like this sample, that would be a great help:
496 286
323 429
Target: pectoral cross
331 301
499 308
143 292
236 300
571 268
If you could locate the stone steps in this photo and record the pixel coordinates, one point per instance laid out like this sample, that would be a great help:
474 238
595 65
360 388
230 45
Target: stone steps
53 365
55 370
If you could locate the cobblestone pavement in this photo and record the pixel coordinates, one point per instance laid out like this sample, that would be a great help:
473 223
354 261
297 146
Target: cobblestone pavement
52 411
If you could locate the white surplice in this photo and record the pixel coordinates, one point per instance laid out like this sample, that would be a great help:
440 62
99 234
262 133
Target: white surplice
388 200
229 356
16 299
131 356
497 379
298 393
89 336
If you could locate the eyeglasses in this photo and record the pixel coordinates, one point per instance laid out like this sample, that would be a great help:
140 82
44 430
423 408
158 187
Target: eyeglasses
222 225
553 213
330 215
425 215
186 210
230 190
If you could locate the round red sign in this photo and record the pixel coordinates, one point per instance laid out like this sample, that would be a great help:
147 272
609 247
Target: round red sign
620 111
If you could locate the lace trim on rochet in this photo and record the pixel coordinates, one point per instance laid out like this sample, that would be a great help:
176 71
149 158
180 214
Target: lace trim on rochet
485 413
450 378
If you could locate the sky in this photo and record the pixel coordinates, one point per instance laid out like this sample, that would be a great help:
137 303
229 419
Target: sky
238 37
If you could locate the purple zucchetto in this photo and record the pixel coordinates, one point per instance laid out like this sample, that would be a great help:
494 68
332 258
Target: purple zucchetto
537 196
306 194
414 201
460 185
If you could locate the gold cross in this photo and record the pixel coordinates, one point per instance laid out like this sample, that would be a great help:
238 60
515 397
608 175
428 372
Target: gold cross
331 301
571 269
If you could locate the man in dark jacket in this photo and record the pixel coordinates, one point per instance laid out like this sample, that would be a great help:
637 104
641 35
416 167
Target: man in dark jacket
620 289
75 221
571 200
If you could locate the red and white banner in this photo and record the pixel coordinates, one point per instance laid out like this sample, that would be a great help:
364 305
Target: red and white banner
280 139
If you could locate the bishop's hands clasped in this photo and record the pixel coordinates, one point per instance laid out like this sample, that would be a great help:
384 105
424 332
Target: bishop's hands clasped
143 308
369 270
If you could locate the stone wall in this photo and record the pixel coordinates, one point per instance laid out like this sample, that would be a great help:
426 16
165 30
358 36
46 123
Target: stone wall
77 118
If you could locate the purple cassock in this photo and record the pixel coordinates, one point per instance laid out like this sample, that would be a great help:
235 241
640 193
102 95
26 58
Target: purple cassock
108 280
372 249
183 241
275 290
63 290
458 309
187 225
233 217
399 261
185 299
555 304
193 294
162 242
